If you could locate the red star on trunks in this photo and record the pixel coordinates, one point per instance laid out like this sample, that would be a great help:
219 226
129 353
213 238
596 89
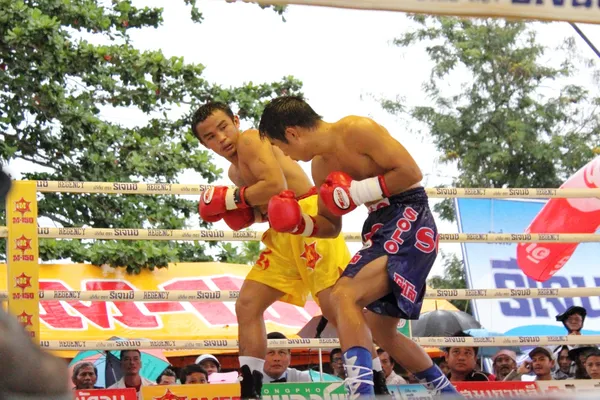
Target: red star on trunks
310 255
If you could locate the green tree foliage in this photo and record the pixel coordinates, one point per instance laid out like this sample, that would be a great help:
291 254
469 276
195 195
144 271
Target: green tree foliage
62 65
513 123
246 253
454 278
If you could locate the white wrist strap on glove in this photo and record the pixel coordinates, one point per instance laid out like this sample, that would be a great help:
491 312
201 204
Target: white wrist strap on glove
366 191
309 225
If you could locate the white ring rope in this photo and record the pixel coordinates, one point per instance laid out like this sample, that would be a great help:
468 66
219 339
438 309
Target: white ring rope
242 236
208 296
232 344
177 188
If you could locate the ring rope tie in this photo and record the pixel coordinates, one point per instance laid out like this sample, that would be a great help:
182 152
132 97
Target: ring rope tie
209 296
232 344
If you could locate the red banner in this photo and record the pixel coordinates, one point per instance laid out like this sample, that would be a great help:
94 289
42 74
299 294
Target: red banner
106 394
493 390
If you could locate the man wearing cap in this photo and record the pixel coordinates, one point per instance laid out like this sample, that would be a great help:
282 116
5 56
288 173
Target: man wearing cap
504 361
209 363
541 364
573 319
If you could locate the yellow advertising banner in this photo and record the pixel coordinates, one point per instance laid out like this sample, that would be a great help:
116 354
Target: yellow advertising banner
219 391
587 11
22 256
69 317
154 320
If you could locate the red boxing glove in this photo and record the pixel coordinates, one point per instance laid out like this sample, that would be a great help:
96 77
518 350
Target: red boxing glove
341 194
219 199
239 219
285 215
207 217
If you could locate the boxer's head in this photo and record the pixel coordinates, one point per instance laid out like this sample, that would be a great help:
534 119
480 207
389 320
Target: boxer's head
286 122
217 128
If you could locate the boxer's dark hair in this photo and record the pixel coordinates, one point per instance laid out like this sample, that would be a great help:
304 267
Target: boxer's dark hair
284 112
206 111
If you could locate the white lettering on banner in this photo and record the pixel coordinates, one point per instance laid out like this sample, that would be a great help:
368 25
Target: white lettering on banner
69 313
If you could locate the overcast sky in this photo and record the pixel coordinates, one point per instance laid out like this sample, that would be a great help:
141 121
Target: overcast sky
343 58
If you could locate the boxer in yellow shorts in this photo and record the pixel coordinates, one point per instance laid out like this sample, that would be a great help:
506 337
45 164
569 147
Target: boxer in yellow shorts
298 265
291 266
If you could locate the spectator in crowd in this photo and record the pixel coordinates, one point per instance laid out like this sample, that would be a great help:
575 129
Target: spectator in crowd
85 375
131 363
26 371
387 364
541 364
592 364
277 364
209 363
462 362
504 361
193 374
336 361
167 377
564 363
573 319
579 355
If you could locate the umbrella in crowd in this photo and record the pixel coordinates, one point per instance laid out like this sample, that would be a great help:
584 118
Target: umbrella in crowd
443 323
108 364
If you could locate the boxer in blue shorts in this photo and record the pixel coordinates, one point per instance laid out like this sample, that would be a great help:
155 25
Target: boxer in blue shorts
402 228
356 161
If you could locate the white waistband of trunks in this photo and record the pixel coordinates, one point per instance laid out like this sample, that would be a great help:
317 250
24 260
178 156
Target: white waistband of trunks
380 204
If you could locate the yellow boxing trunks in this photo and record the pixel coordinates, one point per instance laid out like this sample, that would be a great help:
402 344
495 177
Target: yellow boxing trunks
298 265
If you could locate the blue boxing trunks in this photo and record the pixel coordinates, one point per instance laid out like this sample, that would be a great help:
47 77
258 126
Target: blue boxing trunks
402 228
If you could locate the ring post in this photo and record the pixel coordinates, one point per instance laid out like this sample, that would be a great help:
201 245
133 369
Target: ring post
22 256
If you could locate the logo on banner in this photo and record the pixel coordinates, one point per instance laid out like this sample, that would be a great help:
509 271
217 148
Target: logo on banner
170 396
23 207
310 255
22 281
25 319
23 243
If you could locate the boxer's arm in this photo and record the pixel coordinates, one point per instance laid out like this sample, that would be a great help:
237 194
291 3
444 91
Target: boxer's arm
369 138
327 224
236 178
257 155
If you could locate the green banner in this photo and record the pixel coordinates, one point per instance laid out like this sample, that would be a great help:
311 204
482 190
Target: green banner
404 327
308 390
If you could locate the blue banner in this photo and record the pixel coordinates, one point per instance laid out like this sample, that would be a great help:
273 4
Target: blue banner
495 266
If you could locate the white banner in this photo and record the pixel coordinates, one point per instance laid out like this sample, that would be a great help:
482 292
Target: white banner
494 265
554 10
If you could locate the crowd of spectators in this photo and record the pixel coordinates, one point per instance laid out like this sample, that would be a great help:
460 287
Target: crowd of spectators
459 363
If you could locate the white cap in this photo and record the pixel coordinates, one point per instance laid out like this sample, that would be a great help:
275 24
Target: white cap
204 357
